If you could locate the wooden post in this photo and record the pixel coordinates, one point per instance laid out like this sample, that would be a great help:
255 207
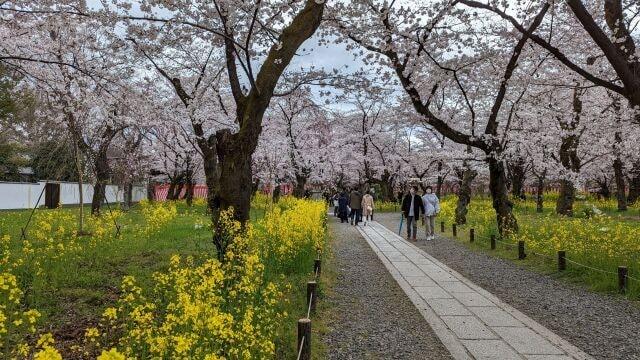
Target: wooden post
441 226
521 254
472 235
304 339
454 228
312 296
562 260
622 279
493 242
317 267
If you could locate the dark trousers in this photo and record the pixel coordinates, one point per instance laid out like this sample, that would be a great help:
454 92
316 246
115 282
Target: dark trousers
356 214
412 224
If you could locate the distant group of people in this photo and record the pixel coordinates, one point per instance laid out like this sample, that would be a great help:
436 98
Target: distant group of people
414 205
353 207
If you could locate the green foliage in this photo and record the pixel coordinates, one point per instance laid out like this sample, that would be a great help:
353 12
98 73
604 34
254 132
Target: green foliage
12 157
54 160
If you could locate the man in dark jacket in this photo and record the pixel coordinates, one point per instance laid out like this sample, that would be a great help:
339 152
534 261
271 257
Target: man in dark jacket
355 203
412 207
343 205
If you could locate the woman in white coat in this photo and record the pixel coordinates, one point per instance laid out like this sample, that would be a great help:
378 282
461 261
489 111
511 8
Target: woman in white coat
431 209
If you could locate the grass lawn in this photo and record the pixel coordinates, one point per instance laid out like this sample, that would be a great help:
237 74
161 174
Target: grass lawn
73 283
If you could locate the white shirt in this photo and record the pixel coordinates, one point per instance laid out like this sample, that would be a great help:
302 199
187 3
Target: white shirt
411 207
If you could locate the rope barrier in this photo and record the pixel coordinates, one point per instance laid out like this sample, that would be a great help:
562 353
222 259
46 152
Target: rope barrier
300 349
544 255
309 307
592 268
480 237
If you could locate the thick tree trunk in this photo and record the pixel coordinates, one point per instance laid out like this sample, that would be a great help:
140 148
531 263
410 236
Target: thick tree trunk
464 195
569 157
386 186
517 176
604 191
211 175
235 178
621 195
102 177
255 186
151 191
566 198
301 184
507 223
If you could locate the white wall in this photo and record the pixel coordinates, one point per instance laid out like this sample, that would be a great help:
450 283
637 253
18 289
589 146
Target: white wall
20 195
24 195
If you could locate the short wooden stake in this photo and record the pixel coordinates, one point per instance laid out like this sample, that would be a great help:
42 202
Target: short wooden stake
317 267
312 286
493 242
562 260
622 279
521 254
472 235
441 226
454 229
304 339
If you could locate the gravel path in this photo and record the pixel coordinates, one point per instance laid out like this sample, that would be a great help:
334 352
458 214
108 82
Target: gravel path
604 326
370 316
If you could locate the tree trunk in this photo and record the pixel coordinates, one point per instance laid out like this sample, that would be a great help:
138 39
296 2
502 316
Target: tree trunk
102 177
276 194
604 191
569 157
235 175
151 191
255 186
211 175
517 176
386 186
188 194
127 195
507 223
301 183
440 180
634 184
540 194
566 198
80 190
464 195
621 195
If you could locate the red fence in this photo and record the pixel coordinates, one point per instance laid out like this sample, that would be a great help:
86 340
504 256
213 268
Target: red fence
200 191
161 191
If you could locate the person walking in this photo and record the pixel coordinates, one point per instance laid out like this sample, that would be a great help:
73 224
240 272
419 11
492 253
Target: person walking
412 207
367 206
336 204
343 207
355 202
431 209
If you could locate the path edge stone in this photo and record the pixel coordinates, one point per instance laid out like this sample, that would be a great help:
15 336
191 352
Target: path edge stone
569 348
446 336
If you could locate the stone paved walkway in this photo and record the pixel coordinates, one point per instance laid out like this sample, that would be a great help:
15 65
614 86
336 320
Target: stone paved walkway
470 322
